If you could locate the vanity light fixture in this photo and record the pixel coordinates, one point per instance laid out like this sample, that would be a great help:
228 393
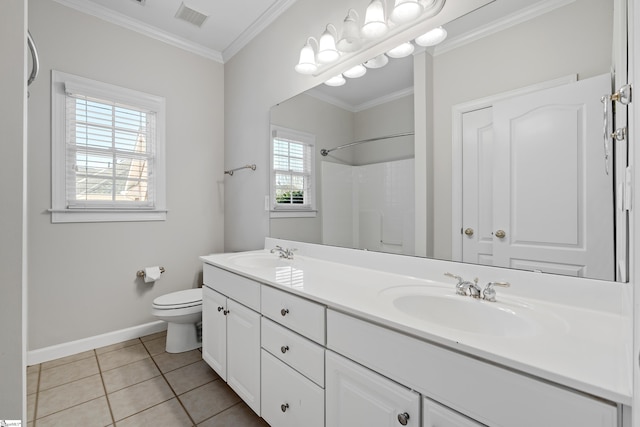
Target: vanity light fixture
336 81
405 49
405 11
432 38
375 24
356 71
377 62
351 40
327 51
307 63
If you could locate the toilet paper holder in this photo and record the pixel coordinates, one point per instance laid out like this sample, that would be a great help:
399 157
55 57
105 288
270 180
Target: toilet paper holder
140 273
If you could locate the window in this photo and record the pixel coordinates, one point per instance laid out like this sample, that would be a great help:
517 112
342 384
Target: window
107 153
292 173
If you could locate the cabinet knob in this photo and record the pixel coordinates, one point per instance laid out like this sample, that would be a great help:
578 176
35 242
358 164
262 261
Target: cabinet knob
284 407
220 308
284 312
225 312
403 418
284 349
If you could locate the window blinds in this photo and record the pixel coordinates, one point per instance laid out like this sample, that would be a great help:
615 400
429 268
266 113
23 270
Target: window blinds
292 169
110 153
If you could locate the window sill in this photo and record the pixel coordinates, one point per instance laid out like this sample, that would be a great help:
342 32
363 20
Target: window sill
106 215
293 214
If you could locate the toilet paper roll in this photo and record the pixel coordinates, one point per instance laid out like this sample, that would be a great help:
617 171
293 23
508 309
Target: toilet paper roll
151 274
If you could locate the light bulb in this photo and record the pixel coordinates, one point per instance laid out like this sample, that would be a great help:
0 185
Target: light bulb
405 49
350 41
432 38
327 51
307 63
405 11
374 21
336 81
377 62
355 72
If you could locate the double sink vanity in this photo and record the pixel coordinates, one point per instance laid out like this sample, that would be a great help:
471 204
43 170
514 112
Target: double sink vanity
332 337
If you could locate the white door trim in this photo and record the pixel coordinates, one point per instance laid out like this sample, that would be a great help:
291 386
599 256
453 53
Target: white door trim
456 149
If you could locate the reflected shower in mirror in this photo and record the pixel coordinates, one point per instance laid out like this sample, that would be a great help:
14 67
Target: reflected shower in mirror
507 51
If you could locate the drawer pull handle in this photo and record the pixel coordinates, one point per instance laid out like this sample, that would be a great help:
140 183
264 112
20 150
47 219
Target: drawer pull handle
284 312
220 308
225 312
284 407
403 418
284 349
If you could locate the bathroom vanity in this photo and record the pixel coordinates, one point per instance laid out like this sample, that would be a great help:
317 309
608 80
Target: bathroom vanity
337 337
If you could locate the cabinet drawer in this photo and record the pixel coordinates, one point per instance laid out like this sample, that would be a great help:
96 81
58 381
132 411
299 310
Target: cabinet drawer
484 392
296 351
436 415
303 316
288 398
241 289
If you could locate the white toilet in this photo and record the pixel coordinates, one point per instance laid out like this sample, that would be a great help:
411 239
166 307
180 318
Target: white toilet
182 310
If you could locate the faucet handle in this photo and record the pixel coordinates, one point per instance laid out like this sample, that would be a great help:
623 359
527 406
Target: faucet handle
453 276
489 293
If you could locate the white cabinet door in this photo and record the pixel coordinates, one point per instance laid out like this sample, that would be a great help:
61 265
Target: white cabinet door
356 396
243 353
214 331
288 398
436 415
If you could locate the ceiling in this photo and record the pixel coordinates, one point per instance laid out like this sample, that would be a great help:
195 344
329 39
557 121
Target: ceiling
230 25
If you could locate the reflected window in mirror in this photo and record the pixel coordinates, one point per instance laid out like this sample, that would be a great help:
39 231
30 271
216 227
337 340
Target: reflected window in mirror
292 173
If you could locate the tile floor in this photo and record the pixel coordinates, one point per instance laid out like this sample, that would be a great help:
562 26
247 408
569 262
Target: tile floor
133 384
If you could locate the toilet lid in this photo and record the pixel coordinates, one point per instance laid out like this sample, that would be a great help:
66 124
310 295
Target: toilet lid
189 297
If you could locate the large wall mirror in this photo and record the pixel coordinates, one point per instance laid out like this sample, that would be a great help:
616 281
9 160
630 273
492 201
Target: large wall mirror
491 162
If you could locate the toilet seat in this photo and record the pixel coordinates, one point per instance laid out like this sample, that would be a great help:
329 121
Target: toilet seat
179 299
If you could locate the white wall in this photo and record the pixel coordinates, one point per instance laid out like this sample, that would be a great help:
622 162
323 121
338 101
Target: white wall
545 48
13 115
385 119
83 276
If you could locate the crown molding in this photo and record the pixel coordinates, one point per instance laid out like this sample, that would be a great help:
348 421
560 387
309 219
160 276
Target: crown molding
119 19
360 107
266 19
501 24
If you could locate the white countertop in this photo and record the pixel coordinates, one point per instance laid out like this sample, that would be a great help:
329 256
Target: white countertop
583 348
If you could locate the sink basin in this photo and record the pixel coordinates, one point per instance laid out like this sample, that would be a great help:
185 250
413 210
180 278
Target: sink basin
503 318
260 260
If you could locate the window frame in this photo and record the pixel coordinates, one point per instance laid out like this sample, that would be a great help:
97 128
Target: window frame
60 211
277 210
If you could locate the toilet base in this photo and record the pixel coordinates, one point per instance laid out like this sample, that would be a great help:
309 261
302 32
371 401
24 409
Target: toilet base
182 337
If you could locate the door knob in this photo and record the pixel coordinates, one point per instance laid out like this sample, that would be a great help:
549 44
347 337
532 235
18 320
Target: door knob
403 418
500 234
469 232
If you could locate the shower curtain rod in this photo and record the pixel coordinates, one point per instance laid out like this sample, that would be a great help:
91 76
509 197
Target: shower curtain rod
324 151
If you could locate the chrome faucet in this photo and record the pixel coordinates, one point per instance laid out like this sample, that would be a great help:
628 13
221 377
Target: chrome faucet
468 288
284 252
489 294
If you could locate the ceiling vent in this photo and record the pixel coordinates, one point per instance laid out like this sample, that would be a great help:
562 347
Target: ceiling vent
191 16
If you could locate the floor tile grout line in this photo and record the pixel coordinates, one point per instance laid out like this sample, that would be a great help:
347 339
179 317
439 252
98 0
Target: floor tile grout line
193 423
104 387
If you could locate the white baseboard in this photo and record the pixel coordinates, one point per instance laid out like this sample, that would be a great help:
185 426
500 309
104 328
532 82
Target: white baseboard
67 349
